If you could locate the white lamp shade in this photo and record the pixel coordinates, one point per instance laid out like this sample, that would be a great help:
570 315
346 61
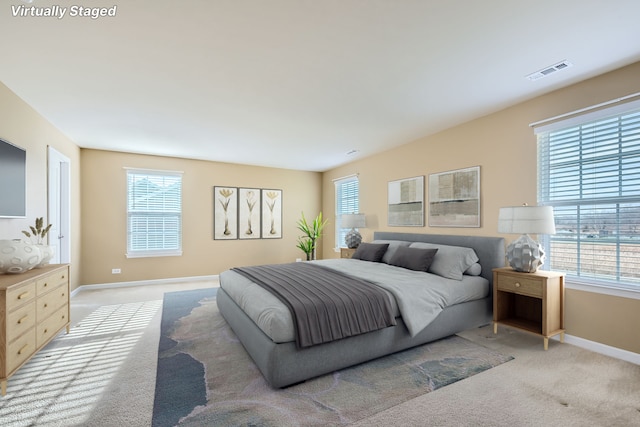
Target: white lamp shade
526 220
353 221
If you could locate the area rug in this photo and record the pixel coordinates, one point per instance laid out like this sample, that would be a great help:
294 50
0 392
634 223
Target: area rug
205 377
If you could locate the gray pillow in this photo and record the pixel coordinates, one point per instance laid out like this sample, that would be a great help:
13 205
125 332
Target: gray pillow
450 261
370 251
413 258
393 246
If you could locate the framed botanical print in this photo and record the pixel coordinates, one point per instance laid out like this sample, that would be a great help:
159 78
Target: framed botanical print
271 214
249 208
225 213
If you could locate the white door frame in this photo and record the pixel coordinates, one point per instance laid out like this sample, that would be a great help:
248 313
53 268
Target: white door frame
59 209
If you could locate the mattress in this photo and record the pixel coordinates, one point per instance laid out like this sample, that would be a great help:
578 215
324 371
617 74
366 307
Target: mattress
417 297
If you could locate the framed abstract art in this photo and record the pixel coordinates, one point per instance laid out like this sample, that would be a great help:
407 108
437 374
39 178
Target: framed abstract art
454 198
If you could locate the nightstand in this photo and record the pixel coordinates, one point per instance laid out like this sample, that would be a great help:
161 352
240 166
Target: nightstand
532 302
347 252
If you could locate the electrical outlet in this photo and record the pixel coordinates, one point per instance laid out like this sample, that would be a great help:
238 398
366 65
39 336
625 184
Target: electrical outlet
116 271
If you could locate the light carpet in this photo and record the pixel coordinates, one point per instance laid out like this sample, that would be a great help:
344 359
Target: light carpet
205 377
62 383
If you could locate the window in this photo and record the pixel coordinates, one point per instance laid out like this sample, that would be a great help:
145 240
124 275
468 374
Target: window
347 201
589 171
154 213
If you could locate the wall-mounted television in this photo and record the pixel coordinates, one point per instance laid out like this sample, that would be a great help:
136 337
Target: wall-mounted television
13 181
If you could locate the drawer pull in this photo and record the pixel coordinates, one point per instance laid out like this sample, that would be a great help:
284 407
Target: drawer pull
517 284
46 305
23 349
45 284
22 320
23 295
45 331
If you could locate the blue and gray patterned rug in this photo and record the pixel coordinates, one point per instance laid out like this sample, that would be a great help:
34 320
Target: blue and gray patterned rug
205 377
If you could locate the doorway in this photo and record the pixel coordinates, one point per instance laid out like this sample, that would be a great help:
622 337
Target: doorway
59 194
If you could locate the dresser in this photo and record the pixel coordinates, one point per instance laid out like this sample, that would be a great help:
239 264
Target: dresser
34 308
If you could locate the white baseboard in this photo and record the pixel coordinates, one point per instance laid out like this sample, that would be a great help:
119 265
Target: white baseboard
143 283
597 347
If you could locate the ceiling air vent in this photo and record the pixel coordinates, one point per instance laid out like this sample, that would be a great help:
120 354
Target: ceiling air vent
549 70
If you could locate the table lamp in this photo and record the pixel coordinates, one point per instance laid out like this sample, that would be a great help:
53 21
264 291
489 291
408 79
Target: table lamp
353 221
525 254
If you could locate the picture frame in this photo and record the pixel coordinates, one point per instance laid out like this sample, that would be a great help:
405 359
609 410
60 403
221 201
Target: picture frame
454 198
405 202
271 213
225 213
249 213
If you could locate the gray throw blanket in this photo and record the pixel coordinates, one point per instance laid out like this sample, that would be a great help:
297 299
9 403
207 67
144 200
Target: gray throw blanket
325 304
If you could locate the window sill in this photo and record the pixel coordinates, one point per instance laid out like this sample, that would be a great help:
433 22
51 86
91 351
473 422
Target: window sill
608 289
153 254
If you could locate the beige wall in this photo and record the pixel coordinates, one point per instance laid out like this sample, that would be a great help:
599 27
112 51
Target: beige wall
24 127
504 147
502 144
104 231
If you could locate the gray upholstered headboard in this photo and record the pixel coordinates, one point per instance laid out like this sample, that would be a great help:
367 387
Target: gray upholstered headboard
490 250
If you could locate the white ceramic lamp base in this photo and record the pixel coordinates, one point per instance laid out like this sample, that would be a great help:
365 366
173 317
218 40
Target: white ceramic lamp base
525 254
353 239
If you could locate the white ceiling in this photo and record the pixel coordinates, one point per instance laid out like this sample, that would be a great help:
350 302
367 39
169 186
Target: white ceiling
298 83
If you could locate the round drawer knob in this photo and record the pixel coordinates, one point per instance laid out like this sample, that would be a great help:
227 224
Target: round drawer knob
517 284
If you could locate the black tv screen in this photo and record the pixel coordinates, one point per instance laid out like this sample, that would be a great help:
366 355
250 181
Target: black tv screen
13 181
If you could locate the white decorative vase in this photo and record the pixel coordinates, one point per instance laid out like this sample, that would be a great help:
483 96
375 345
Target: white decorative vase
46 252
17 256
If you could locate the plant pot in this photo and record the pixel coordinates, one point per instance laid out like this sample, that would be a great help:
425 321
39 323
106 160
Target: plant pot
17 256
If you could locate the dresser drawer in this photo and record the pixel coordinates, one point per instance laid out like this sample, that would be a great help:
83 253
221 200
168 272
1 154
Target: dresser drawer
20 350
50 302
20 320
52 325
520 285
51 281
19 295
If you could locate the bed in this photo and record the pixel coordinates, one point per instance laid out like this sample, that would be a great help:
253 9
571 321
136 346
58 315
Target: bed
268 338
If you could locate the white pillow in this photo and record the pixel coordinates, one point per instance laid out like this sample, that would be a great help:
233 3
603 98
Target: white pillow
474 270
450 261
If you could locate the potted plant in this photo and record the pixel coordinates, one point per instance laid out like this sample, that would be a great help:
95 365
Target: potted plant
36 237
312 233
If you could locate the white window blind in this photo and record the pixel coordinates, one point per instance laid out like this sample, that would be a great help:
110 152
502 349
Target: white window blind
154 213
589 171
347 202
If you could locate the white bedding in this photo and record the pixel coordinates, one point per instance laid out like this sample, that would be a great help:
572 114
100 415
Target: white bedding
419 296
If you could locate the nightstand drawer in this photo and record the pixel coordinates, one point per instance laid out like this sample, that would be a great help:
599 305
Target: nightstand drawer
347 252
520 285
